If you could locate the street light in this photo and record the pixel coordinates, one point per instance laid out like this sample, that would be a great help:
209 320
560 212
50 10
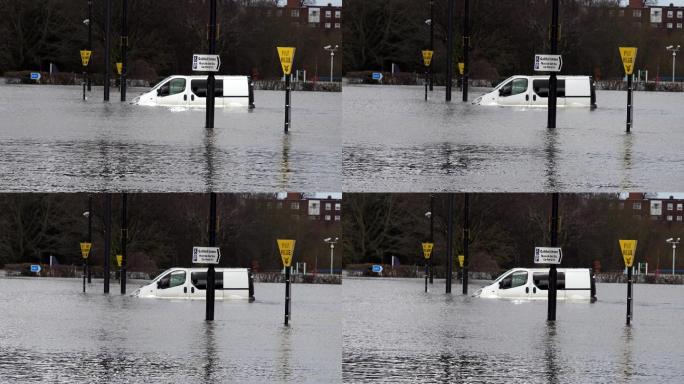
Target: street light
332 51
674 58
332 243
674 249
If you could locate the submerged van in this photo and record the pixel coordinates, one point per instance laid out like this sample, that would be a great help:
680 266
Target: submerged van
191 91
191 283
533 283
533 91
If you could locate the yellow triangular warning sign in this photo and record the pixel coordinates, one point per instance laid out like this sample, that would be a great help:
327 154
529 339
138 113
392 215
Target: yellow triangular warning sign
427 250
628 248
85 57
628 55
427 57
286 55
286 248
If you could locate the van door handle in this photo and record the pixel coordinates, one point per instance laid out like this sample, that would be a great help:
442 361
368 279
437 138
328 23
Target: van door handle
192 97
527 289
192 289
185 97
185 289
527 97
534 97
534 290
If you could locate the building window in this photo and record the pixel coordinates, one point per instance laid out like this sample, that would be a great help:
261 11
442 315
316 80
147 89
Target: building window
295 13
679 218
327 25
338 14
337 217
636 13
670 14
656 15
679 25
327 217
680 14
337 25
669 25
314 15
669 217
314 207
636 206
338 206
679 207
328 14
656 208
328 206
294 206
670 206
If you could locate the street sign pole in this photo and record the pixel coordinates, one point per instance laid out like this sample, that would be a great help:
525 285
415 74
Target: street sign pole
124 55
450 240
287 295
85 271
432 48
286 56
628 56
629 294
432 239
629 103
427 60
108 38
466 240
286 249
427 253
90 233
553 81
211 272
90 43
124 240
108 240
211 81
628 249
553 273
466 49
287 102
450 54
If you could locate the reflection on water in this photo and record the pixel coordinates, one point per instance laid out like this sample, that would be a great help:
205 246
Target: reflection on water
628 141
53 141
394 332
395 141
51 332
285 164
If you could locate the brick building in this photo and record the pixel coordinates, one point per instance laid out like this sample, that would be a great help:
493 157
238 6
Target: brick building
666 18
323 207
660 207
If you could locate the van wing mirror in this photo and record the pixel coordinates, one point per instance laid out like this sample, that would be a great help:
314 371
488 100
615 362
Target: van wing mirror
159 284
500 91
159 91
500 282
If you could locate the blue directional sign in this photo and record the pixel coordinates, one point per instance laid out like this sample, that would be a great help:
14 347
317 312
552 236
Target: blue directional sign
377 268
35 75
35 268
377 76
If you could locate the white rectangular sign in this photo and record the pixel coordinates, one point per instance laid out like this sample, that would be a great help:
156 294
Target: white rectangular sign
206 63
547 255
548 63
206 255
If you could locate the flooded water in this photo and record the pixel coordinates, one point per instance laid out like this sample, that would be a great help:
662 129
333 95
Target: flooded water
394 332
53 141
395 141
51 332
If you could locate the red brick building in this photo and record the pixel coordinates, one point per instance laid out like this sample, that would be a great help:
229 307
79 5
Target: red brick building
661 207
667 18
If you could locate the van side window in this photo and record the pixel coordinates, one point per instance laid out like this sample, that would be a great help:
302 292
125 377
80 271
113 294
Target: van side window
199 88
541 280
541 88
515 279
515 87
199 280
172 87
171 280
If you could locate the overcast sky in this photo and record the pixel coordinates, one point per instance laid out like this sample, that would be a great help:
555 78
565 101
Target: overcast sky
339 2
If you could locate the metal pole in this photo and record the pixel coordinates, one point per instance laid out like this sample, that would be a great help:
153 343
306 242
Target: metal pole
629 103
108 240
432 239
674 248
90 40
124 47
466 49
332 250
450 254
466 240
450 49
629 295
108 38
287 103
211 273
426 83
432 48
426 276
90 234
124 239
332 63
211 81
85 272
287 295
553 82
553 273
85 80
674 58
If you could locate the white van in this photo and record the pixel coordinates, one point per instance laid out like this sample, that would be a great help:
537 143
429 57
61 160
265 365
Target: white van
191 91
533 91
533 283
191 283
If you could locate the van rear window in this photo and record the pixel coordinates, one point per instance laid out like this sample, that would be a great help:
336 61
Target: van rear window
541 88
541 280
199 88
199 280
